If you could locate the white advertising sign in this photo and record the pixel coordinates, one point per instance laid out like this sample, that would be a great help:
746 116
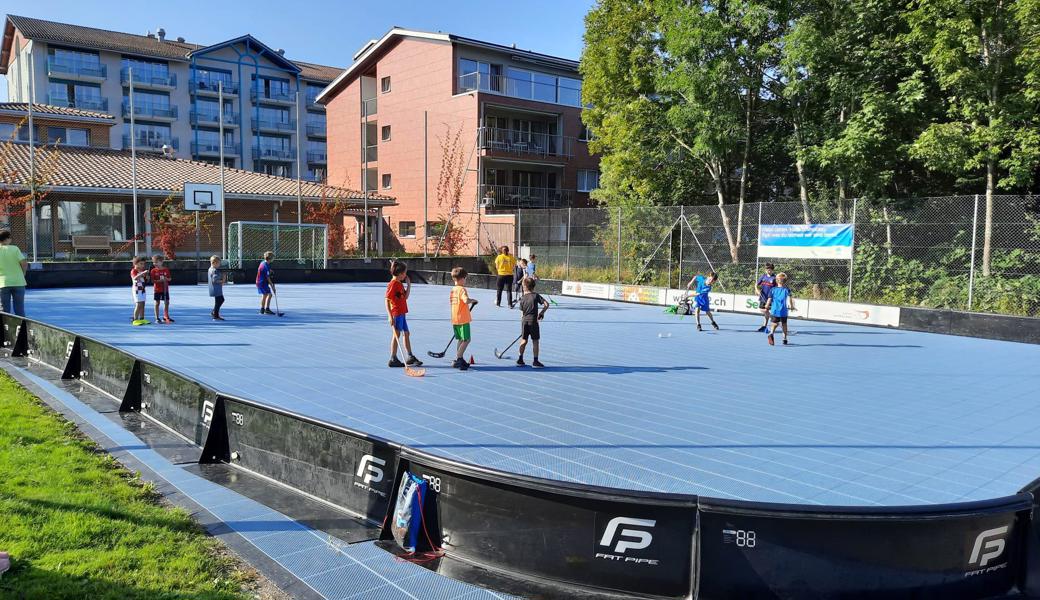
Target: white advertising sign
587 290
718 300
866 314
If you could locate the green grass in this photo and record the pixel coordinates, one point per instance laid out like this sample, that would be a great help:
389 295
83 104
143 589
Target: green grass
78 525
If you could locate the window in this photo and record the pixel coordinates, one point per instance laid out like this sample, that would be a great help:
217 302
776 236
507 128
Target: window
588 180
276 169
149 103
94 218
518 83
75 94
271 116
406 229
151 135
207 79
7 131
479 75
312 93
273 145
277 89
586 133
145 70
385 133
68 136
386 181
384 84
570 91
316 173
435 228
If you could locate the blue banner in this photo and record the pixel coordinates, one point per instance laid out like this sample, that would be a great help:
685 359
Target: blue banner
806 241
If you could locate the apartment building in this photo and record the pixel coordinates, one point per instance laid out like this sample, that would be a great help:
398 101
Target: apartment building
516 113
271 122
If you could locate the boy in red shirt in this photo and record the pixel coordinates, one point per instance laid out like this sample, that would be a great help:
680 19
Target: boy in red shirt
161 280
396 309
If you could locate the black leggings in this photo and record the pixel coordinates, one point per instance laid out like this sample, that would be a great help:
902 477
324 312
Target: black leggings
218 301
505 282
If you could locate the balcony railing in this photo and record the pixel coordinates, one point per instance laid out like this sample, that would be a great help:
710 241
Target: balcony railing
312 101
148 78
280 97
268 125
151 143
57 67
209 86
556 93
525 143
213 148
319 158
316 130
281 154
202 117
368 107
81 103
151 111
370 154
516 196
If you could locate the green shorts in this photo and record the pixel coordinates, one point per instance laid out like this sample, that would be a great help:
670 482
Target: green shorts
461 332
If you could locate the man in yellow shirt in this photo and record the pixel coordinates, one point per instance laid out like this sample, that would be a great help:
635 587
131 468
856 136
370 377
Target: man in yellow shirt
12 276
504 264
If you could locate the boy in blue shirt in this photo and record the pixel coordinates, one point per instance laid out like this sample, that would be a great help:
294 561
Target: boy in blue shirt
765 285
780 301
701 286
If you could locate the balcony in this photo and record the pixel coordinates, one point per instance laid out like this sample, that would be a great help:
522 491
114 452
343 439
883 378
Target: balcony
151 143
312 102
368 107
317 158
272 97
370 154
275 126
277 154
212 119
212 149
208 87
316 130
150 111
100 104
515 196
148 79
74 69
526 89
525 144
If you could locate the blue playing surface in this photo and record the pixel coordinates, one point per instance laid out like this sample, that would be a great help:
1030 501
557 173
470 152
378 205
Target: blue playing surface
845 415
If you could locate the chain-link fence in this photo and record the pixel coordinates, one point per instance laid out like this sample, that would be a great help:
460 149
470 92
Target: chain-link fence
248 241
932 252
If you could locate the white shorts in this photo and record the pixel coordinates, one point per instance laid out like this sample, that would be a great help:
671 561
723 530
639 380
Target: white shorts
138 296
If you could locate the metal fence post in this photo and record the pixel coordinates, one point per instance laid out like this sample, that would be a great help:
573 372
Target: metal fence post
758 236
855 203
671 238
519 223
619 244
971 269
682 237
567 264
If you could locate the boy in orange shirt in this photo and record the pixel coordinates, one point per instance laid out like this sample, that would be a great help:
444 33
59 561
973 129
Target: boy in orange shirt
461 304
396 309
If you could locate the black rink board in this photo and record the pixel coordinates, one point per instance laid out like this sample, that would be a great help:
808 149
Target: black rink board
763 551
49 345
591 538
14 332
105 367
345 469
182 405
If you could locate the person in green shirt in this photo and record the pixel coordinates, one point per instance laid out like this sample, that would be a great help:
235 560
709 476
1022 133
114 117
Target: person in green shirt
12 275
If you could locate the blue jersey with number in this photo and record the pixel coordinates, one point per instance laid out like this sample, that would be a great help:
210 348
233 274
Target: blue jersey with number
701 286
781 296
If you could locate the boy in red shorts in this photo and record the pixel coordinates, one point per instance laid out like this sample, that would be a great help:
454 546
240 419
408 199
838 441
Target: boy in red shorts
396 308
161 280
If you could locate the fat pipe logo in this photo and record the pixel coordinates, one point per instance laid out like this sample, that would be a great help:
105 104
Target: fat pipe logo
370 470
627 539
207 412
989 546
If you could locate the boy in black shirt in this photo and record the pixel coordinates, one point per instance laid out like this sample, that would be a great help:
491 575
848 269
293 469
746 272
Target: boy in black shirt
529 318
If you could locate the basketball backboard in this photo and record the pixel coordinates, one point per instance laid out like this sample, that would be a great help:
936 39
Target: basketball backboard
203 196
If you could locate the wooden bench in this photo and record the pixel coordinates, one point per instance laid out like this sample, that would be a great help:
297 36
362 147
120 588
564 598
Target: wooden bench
90 242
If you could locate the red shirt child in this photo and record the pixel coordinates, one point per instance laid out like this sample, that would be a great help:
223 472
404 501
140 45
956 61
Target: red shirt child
395 293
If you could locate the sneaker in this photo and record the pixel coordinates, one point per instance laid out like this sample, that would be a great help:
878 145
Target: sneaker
463 365
762 329
169 320
394 362
520 362
263 312
715 325
218 318
772 339
536 364
413 362
268 311
699 328
785 341
457 362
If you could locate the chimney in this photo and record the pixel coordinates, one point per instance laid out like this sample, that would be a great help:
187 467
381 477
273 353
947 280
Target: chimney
180 39
281 52
161 33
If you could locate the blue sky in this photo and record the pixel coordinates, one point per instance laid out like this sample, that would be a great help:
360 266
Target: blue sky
326 31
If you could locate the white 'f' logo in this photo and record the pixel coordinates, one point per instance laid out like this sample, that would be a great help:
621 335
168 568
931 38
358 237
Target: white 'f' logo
637 539
369 467
207 412
993 547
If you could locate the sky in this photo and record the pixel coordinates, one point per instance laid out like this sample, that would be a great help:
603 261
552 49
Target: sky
326 31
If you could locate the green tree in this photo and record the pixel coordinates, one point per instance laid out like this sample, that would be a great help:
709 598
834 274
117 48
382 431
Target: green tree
975 50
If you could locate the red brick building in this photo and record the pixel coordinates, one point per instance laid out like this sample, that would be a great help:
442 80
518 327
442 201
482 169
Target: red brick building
516 115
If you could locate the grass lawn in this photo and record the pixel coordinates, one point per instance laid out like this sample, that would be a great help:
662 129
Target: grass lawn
79 525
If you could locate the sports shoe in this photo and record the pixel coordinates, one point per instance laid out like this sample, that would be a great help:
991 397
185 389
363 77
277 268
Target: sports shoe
772 339
520 362
268 311
762 329
394 362
218 318
536 364
463 365
785 341
413 362
699 328
169 320
456 364
715 325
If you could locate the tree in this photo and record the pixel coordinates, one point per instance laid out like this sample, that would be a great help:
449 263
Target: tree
172 225
329 211
975 49
14 202
450 182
